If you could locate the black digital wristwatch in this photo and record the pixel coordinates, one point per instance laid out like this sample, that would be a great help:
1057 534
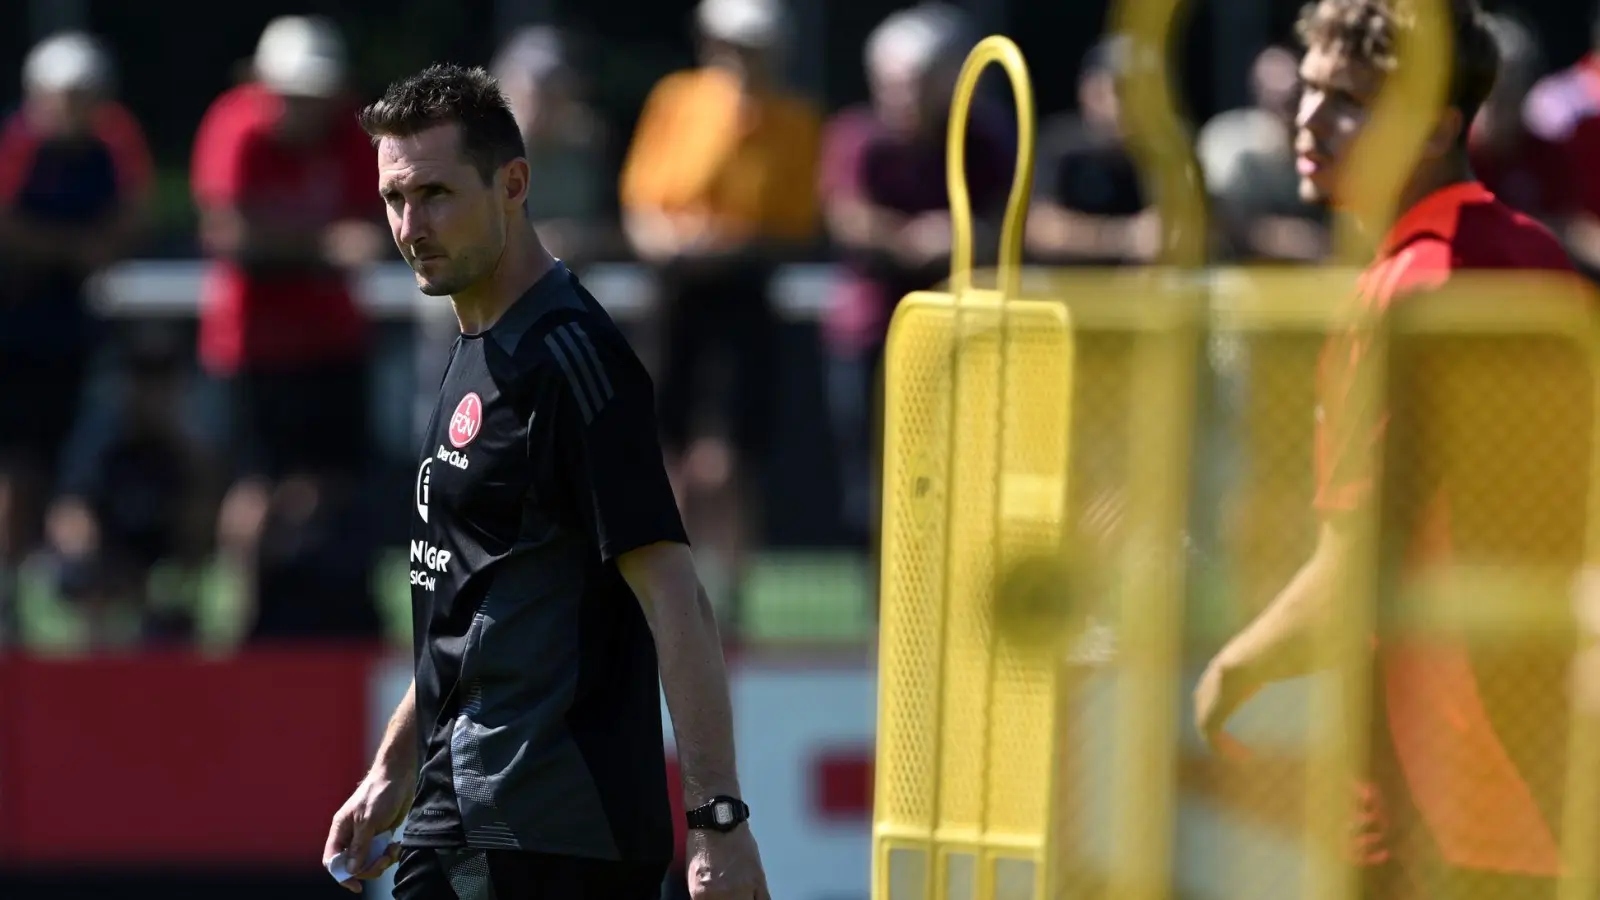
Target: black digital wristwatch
721 813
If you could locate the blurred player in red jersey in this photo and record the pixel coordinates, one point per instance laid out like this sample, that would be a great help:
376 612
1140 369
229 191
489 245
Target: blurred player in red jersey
282 178
1421 829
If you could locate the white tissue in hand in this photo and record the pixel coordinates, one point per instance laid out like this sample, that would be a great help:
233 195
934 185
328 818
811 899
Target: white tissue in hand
339 866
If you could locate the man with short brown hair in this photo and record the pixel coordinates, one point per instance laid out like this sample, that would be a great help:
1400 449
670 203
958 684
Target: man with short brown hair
554 594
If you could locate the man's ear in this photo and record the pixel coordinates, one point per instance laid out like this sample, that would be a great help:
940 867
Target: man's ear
1447 134
514 183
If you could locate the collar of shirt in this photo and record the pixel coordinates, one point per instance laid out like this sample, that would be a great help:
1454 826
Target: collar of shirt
1436 214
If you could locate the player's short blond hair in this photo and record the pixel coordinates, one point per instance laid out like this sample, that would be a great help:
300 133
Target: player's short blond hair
1370 31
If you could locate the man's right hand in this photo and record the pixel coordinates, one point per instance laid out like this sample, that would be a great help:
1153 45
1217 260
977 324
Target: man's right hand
378 805
1220 693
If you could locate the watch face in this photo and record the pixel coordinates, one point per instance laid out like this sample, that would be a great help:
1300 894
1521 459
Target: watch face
723 812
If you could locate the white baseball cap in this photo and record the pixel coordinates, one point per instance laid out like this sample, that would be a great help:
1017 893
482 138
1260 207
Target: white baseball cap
756 24
532 54
69 60
915 39
301 56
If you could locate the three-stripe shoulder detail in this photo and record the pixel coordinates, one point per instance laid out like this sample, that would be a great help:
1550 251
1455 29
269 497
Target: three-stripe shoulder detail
580 362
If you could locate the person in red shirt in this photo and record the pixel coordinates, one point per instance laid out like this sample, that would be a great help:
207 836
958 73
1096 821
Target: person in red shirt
75 179
282 175
1439 709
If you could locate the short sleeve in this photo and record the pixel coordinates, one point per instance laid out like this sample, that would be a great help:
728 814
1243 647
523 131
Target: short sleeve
841 169
17 149
1057 137
792 202
130 153
1344 458
1349 439
599 420
227 151
642 184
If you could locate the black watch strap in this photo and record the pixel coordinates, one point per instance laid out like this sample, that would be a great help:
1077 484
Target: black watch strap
720 813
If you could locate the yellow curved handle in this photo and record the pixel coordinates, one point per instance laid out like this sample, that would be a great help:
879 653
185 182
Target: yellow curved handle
1159 138
993 49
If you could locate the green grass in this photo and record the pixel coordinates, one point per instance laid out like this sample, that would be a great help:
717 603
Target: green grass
789 597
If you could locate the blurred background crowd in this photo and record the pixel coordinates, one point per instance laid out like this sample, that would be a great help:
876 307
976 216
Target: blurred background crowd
216 455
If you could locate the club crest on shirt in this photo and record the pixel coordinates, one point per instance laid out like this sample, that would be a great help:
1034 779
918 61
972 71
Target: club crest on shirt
466 421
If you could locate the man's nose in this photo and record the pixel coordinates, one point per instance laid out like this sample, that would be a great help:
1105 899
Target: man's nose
413 225
1309 112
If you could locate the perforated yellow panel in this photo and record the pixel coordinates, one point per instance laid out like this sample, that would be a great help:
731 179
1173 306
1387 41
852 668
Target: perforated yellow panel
975 478
1039 461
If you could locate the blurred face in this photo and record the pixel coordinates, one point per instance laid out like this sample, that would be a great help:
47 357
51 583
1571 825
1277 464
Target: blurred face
1098 101
897 96
305 119
450 226
1275 83
1336 97
68 113
746 63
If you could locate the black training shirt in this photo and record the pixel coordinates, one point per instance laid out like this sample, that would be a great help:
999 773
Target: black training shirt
538 698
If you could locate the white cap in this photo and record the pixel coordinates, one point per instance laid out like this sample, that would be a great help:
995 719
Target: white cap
70 60
756 24
301 56
914 40
532 54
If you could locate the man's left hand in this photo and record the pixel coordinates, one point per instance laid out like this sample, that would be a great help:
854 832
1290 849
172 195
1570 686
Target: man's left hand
726 866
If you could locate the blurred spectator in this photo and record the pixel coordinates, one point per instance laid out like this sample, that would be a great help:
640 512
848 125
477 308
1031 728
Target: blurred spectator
285 181
1249 163
718 186
884 194
74 187
1563 110
1089 207
565 141
135 491
1523 170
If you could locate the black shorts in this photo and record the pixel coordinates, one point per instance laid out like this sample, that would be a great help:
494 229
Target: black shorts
718 321
425 873
39 401
309 421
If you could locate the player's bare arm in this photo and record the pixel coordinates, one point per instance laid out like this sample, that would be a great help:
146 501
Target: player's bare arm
1279 643
380 802
695 681
1054 230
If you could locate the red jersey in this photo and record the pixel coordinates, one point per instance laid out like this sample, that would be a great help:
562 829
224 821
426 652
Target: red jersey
1474 738
279 319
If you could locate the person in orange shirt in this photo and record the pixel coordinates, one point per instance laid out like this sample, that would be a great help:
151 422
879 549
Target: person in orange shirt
718 186
1467 741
